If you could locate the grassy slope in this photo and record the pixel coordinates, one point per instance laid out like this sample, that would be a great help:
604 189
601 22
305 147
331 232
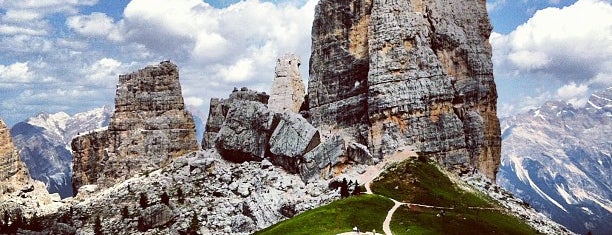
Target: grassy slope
423 183
416 182
366 211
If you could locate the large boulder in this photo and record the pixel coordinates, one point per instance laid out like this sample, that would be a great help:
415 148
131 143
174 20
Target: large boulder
320 162
245 132
219 109
291 139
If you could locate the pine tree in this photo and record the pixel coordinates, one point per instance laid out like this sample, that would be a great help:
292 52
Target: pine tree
143 201
124 212
97 226
194 226
179 195
165 199
344 189
357 190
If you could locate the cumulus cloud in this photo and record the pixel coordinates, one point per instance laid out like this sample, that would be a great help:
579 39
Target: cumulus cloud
95 25
570 47
571 43
103 72
15 73
216 49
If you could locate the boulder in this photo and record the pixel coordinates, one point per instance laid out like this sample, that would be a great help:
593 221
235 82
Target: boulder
320 161
156 215
245 132
291 139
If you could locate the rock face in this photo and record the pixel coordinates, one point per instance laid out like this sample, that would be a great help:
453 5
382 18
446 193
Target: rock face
148 128
44 141
219 109
21 197
407 74
13 172
557 159
287 88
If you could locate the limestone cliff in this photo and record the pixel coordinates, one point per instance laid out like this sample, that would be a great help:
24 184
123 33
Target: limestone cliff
407 74
148 128
13 172
288 86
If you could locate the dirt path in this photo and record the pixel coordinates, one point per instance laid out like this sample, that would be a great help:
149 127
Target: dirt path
386 227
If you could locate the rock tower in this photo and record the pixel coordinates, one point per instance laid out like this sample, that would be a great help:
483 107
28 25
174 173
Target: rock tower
407 74
288 87
13 172
149 127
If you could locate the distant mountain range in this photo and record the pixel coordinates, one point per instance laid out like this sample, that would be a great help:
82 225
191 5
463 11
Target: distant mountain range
558 159
44 144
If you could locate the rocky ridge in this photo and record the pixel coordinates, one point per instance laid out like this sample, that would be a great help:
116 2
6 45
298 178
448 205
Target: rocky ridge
407 75
224 198
148 128
44 141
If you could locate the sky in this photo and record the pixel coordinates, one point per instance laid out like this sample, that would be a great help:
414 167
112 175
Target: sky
66 55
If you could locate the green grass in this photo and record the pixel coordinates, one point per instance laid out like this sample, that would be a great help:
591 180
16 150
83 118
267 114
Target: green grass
415 182
418 182
365 211
424 221
423 183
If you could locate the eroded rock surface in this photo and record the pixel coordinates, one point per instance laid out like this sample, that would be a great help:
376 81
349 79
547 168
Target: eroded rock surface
148 128
407 74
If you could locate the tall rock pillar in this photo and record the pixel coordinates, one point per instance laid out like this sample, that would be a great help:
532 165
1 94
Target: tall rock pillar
424 79
288 87
150 127
13 172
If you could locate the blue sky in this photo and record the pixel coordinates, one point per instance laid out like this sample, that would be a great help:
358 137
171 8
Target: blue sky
65 55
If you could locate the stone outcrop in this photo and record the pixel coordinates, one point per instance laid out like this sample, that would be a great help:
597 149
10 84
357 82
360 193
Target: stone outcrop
14 174
149 127
21 197
288 87
245 132
219 109
407 74
291 139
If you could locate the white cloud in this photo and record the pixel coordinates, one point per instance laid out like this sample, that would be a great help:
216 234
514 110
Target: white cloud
16 73
193 101
95 25
103 72
569 48
494 5
576 95
571 43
